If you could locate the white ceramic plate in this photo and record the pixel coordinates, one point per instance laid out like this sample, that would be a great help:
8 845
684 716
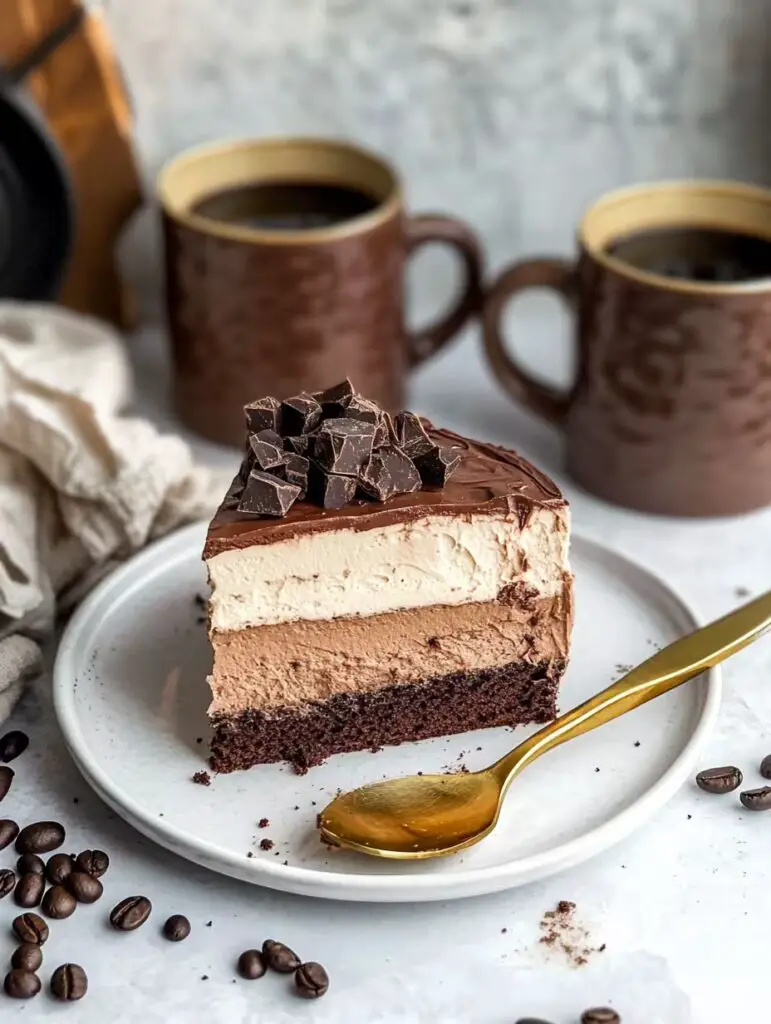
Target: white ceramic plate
131 697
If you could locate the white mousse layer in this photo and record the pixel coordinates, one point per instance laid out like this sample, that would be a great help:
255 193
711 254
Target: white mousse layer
436 560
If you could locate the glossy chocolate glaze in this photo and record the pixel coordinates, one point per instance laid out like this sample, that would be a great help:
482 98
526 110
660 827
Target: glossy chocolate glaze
488 480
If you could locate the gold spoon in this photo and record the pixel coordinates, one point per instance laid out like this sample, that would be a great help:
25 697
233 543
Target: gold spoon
424 816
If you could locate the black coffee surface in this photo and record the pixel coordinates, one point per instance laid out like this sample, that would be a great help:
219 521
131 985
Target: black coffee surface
286 205
697 254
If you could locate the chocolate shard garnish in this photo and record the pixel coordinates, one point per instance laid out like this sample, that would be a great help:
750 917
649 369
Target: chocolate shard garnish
343 446
413 439
437 466
296 472
267 495
329 489
299 415
362 409
262 415
334 401
388 472
268 449
301 445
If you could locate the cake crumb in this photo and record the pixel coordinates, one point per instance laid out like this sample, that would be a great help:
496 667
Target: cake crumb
202 778
266 844
561 933
263 823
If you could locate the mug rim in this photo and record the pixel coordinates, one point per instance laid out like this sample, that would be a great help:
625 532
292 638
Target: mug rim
387 207
718 188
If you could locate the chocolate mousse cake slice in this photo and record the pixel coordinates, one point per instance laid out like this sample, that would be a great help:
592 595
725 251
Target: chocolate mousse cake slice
376 580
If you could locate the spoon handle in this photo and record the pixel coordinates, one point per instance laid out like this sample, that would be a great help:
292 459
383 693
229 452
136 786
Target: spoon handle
667 669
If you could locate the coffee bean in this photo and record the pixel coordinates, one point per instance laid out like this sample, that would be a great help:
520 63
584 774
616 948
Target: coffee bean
13 744
600 1015
176 928
93 862
30 928
311 980
40 837
130 913
6 778
719 780
280 957
58 903
251 964
531 1020
30 864
83 887
765 767
8 832
757 799
20 984
7 882
59 868
27 957
29 890
69 982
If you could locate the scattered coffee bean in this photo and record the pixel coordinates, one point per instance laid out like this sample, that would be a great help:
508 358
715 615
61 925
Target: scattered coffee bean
27 957
757 799
130 913
69 982
30 928
251 964
719 780
93 862
6 778
311 980
59 868
8 832
40 837
280 957
600 1015
13 744
30 864
765 767
176 928
59 903
29 890
21 984
531 1020
7 882
85 888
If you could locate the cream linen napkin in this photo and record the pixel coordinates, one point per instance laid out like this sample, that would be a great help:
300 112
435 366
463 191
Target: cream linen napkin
81 486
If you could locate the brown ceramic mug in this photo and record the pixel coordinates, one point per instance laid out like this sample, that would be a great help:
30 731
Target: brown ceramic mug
670 409
267 297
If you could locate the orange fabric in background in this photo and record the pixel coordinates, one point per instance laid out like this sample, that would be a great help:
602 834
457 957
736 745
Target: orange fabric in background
81 94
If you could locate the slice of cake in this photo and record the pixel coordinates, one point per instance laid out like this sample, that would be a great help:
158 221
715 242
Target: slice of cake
376 580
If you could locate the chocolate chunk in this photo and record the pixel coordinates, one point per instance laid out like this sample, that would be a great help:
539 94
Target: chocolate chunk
27 957
69 982
437 466
362 409
757 799
8 832
719 780
280 957
385 432
266 495
299 415
40 837
343 446
12 744
296 472
335 400
328 489
21 984
262 415
301 445
6 778
388 472
268 449
176 928
413 439
311 980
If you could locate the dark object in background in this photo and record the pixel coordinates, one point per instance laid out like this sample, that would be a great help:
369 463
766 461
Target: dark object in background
298 296
668 412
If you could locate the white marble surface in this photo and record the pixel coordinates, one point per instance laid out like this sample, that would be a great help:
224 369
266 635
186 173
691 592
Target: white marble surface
682 906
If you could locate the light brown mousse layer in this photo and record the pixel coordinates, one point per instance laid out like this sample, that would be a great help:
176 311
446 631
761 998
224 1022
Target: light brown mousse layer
291 663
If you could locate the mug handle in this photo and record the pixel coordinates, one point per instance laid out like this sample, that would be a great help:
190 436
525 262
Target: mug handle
549 402
435 228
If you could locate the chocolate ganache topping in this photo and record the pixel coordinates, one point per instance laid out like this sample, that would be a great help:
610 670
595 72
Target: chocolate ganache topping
408 470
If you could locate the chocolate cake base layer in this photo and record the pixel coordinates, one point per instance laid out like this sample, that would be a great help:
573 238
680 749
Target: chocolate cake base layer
513 694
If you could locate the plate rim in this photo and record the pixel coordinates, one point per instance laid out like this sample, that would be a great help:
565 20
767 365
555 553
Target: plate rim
156 559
